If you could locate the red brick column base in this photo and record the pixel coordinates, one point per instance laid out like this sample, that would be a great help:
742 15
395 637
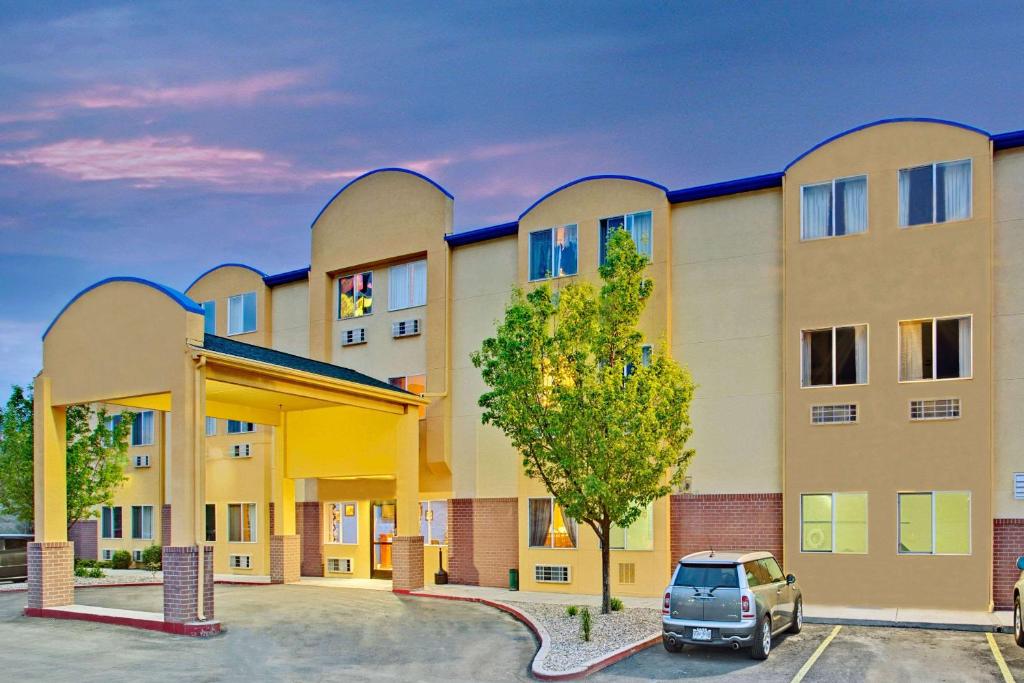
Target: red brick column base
726 521
483 540
309 527
407 563
284 559
181 577
1007 546
165 525
51 574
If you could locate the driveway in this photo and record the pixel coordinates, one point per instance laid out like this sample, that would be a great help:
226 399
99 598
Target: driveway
272 633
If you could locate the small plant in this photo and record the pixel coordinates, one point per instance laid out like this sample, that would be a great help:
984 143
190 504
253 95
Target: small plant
585 624
89 572
122 559
572 610
615 605
103 564
152 558
87 564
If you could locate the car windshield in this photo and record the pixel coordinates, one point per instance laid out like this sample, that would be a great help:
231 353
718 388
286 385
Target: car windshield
707 575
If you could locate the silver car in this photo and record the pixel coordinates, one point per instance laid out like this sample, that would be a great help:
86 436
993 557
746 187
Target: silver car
1018 591
738 599
14 556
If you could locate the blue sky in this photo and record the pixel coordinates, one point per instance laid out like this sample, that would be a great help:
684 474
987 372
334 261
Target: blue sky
160 138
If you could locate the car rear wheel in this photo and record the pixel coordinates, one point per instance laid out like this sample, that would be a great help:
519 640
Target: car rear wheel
672 646
798 616
1018 627
762 639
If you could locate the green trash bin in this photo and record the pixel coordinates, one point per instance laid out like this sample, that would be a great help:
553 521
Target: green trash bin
513 579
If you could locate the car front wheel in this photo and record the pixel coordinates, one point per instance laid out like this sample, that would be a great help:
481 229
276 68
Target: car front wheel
798 617
762 639
1018 627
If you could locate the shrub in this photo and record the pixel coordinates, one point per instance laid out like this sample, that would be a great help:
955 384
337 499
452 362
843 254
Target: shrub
152 557
87 564
615 604
103 564
89 572
585 624
122 559
572 610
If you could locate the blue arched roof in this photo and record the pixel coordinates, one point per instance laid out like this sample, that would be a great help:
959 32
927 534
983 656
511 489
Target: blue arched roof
609 176
879 122
178 297
394 169
226 265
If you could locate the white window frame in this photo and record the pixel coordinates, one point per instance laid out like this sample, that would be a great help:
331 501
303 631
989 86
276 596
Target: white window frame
553 502
935 192
935 365
152 521
854 404
970 524
411 266
255 522
625 537
833 328
103 536
152 430
551 265
867 207
242 429
327 538
833 551
239 299
940 418
429 537
600 243
211 422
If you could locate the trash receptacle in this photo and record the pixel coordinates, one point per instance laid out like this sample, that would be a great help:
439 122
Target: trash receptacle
513 579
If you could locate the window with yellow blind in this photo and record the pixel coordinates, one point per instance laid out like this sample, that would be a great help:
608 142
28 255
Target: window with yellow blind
834 523
637 536
935 523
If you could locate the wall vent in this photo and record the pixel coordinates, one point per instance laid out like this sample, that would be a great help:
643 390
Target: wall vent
140 460
339 565
551 573
1018 485
356 335
241 450
240 561
935 409
840 413
405 328
627 572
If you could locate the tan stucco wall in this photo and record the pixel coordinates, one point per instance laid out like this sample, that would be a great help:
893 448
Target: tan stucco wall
1008 331
880 277
227 281
290 317
727 321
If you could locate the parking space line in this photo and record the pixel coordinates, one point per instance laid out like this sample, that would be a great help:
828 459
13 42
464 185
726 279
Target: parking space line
814 657
1007 676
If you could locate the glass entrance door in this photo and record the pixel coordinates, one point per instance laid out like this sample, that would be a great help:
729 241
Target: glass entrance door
382 533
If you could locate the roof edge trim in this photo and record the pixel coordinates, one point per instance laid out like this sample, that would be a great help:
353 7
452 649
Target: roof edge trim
226 265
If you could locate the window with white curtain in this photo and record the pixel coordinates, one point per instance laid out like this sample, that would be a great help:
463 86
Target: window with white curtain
838 207
834 356
407 285
241 522
553 252
638 225
935 193
242 313
935 348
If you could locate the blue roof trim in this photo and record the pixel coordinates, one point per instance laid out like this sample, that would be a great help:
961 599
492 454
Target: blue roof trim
757 182
457 239
178 297
879 122
285 278
1014 138
593 177
226 265
395 169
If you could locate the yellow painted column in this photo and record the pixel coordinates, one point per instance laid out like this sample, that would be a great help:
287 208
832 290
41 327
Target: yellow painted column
407 548
282 488
185 477
49 465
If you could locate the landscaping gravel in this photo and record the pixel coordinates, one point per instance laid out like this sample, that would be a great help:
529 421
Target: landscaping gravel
112 576
608 632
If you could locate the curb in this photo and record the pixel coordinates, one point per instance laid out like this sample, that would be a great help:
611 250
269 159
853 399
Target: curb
193 629
537 669
932 625
24 586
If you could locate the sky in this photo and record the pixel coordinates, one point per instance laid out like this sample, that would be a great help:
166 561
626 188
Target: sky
159 139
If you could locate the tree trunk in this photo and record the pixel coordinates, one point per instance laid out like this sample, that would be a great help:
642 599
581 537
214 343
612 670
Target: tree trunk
606 593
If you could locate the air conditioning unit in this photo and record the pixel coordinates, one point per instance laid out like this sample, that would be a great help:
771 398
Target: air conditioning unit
356 335
240 561
107 554
405 328
339 565
241 450
137 556
141 460
551 573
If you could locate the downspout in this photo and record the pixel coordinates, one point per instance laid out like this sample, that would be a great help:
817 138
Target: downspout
199 452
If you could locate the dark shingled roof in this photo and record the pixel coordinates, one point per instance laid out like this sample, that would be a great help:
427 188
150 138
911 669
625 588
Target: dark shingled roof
230 347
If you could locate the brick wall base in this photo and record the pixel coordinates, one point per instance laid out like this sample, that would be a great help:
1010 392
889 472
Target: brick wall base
181 570
165 525
1007 546
85 536
51 577
483 540
309 528
284 559
407 563
726 521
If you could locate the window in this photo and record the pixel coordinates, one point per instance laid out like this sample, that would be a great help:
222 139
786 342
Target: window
838 207
110 522
210 317
237 427
834 356
343 523
414 384
142 521
242 313
549 527
407 285
645 360
241 522
355 295
840 413
935 523
434 522
1018 485
935 409
834 523
211 426
211 523
936 348
637 536
705 575
935 193
639 227
553 252
142 429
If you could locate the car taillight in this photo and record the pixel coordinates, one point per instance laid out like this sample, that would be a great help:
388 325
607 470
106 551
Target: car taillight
745 606
665 606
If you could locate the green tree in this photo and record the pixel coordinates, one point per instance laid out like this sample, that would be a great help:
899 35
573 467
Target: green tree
96 458
605 433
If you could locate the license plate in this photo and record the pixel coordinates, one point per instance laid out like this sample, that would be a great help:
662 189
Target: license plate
702 634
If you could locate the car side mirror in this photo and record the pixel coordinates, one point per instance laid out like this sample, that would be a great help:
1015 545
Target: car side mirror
1020 563
790 579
